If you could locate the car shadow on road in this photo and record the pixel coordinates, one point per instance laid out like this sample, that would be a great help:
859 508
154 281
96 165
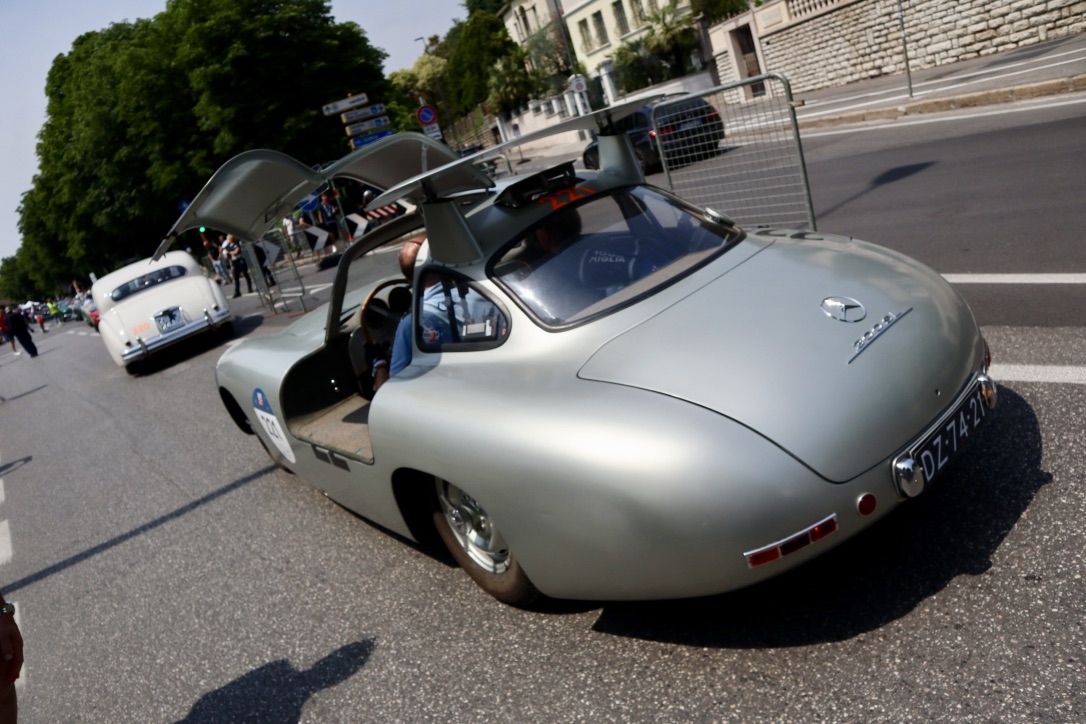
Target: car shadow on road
187 349
880 575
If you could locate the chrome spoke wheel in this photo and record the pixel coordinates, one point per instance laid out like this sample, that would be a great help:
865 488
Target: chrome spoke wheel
473 529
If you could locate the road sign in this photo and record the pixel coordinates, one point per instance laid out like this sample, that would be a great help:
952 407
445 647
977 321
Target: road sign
333 108
426 115
358 114
433 131
360 141
360 128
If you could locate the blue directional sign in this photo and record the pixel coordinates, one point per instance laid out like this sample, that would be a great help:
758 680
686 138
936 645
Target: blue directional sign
360 141
370 125
377 109
333 108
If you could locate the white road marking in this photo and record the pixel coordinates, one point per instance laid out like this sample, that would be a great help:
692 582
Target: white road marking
1066 374
1015 278
966 114
5 543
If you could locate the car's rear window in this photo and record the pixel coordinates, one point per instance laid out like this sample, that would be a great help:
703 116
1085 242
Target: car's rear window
146 281
589 259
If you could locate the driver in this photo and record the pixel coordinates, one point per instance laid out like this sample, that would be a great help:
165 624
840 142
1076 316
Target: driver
401 342
447 312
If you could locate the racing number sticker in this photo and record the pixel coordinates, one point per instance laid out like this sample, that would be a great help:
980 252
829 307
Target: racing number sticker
270 423
571 196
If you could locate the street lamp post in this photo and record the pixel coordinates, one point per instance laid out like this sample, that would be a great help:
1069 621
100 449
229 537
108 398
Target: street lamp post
905 46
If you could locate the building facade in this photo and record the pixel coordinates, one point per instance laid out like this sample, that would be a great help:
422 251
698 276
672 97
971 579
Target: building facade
824 43
599 27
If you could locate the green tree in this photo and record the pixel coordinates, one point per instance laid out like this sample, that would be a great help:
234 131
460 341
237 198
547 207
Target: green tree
670 34
512 84
485 6
636 67
716 11
140 114
479 44
550 54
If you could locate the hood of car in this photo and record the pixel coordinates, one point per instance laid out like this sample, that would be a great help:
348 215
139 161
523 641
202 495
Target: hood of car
836 350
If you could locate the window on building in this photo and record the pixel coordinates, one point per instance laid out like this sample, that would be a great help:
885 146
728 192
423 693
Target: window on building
586 36
601 28
620 18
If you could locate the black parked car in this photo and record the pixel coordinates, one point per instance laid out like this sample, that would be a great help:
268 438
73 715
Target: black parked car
685 131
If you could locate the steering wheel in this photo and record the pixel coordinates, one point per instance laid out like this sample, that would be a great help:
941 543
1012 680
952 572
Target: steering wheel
366 305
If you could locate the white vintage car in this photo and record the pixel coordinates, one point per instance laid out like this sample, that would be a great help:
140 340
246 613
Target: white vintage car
149 305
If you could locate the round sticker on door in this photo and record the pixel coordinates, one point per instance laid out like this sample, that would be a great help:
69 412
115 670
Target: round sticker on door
270 423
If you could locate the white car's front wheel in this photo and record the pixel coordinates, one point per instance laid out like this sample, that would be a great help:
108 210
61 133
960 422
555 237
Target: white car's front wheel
478 546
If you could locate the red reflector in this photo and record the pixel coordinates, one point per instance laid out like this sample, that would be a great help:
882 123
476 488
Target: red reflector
823 529
762 557
794 543
866 504
652 134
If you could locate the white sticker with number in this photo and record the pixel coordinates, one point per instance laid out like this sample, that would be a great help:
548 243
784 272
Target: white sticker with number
270 423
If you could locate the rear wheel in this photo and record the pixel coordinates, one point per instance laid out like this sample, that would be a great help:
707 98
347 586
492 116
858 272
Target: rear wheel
479 547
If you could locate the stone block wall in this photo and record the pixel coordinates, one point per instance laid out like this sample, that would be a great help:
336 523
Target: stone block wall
850 40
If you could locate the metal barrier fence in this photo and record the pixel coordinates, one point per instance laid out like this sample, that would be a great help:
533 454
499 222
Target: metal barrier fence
736 149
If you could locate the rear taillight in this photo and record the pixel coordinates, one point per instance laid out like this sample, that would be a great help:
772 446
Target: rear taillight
791 544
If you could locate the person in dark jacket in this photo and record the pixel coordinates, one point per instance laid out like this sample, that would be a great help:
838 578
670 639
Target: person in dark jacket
18 327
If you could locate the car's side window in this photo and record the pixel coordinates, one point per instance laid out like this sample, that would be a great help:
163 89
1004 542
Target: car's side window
453 314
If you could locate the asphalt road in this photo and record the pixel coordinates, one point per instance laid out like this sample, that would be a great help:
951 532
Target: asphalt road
164 569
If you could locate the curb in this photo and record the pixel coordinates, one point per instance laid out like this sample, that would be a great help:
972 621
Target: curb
972 100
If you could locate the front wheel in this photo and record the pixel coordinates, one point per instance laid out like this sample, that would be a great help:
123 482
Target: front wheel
479 547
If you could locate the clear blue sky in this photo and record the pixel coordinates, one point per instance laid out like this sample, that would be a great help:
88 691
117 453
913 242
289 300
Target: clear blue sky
37 31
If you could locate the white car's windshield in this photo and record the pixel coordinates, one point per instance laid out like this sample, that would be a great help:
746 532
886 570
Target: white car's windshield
147 281
588 259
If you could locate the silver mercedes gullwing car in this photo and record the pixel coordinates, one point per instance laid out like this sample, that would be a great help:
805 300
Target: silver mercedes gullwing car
609 392
149 305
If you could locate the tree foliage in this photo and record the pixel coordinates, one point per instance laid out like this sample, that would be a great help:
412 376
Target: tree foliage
486 6
140 114
636 67
512 83
479 43
716 11
670 34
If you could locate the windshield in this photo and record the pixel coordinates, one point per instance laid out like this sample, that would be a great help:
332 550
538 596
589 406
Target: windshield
587 260
147 281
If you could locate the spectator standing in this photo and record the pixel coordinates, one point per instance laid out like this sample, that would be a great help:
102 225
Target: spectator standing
232 249
214 254
20 330
327 219
54 312
5 333
11 662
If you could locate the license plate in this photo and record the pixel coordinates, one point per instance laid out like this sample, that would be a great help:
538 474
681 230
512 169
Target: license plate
169 319
944 442
690 125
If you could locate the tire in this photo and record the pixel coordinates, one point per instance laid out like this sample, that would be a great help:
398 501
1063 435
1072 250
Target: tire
478 546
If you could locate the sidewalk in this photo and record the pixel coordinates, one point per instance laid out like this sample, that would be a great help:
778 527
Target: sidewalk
1044 69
